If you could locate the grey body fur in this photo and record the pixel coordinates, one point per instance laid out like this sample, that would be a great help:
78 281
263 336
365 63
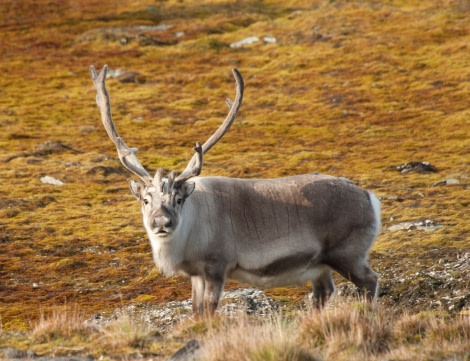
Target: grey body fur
269 233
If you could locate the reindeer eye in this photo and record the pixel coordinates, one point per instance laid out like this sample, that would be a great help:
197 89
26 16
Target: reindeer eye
146 201
179 201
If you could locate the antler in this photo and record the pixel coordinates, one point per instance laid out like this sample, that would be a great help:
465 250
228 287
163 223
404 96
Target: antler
126 154
195 169
194 166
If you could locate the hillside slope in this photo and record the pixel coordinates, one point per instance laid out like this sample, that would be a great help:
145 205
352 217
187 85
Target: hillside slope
348 88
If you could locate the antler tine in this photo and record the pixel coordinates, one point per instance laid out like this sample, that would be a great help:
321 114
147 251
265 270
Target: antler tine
126 155
223 128
234 106
195 169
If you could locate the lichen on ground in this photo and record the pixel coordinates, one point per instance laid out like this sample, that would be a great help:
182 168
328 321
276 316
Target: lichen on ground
351 89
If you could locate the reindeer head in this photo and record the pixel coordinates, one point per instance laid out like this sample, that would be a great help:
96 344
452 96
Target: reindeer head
162 199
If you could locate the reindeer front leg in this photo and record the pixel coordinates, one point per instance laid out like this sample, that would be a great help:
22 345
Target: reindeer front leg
212 295
214 278
197 296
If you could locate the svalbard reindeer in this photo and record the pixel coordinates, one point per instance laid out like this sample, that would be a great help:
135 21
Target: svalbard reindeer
266 232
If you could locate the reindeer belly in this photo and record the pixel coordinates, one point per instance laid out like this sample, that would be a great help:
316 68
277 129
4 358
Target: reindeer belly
289 270
297 276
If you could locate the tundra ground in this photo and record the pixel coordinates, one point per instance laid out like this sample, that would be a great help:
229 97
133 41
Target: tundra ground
349 88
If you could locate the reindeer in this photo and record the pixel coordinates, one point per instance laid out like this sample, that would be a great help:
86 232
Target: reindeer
265 232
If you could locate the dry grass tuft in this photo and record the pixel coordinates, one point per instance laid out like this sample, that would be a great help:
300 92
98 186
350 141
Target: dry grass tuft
67 331
410 328
350 327
445 330
256 340
346 330
64 323
126 332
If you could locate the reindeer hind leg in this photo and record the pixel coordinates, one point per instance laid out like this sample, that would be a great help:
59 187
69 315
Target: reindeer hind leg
351 261
359 273
322 287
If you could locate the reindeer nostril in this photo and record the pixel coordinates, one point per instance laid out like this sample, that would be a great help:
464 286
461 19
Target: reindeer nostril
157 222
162 222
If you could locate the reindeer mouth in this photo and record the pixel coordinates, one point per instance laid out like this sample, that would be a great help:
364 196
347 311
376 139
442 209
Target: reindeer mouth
162 229
162 232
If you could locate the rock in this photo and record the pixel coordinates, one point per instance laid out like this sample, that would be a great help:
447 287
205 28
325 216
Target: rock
50 180
13 353
390 198
441 285
269 39
426 225
46 148
87 129
247 41
446 182
161 317
125 34
106 170
188 352
418 167
125 76
131 77
248 300
52 147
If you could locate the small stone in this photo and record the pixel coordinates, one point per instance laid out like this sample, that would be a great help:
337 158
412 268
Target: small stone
131 77
247 41
125 76
446 182
248 300
427 225
50 180
187 352
401 226
269 39
13 353
418 167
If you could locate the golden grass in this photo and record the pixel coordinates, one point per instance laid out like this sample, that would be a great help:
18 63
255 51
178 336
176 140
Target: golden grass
124 333
246 339
338 330
61 324
346 330
350 88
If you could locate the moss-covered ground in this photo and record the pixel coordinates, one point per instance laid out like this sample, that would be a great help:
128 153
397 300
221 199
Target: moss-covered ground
348 88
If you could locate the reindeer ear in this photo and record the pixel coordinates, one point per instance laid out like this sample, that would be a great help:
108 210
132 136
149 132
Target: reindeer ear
187 188
137 188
